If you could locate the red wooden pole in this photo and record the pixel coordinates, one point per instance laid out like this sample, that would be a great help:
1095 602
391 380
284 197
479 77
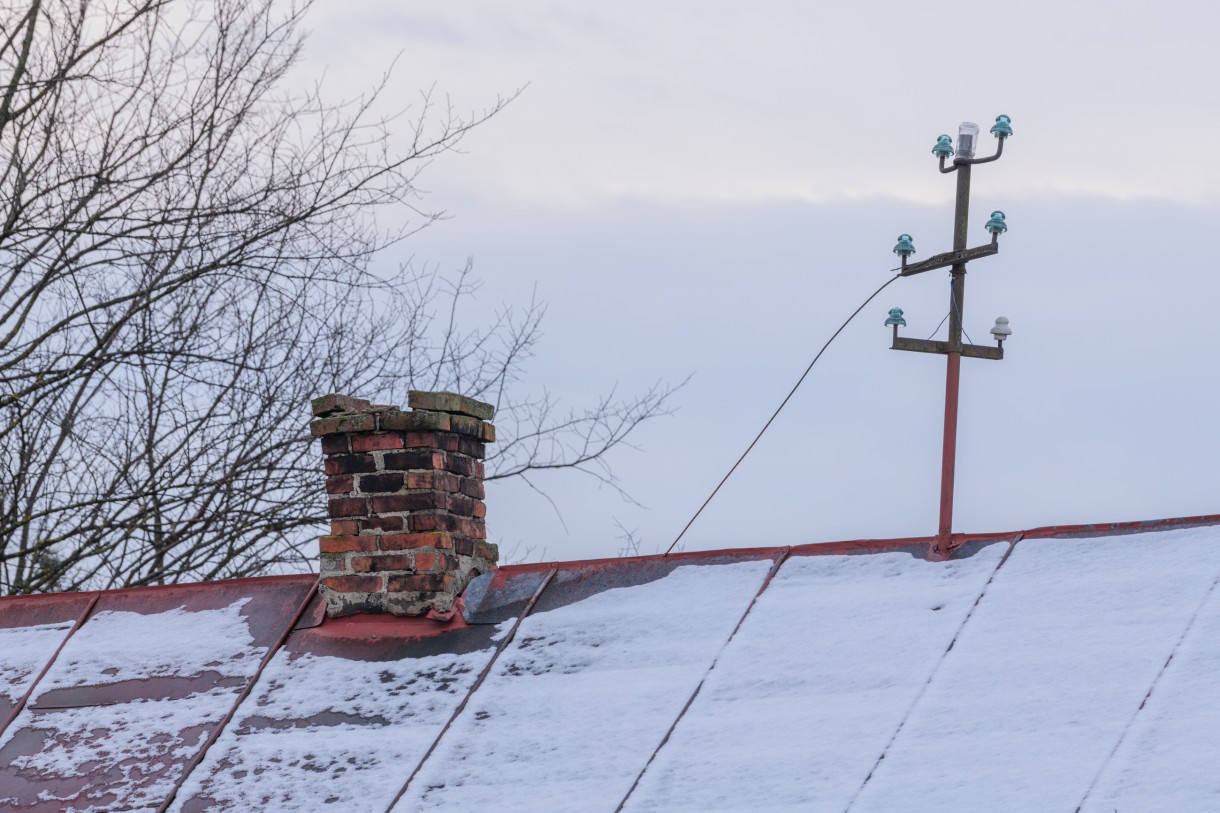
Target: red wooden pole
957 302
948 458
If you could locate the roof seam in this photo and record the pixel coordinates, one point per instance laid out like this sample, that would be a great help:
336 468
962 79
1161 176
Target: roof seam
529 606
241 698
779 561
80 620
932 675
1190 624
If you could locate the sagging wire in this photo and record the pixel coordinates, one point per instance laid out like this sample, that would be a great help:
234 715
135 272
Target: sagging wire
953 299
779 409
938 327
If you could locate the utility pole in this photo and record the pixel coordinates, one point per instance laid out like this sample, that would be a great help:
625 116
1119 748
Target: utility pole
963 161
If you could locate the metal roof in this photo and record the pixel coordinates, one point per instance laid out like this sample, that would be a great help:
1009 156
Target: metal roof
1055 669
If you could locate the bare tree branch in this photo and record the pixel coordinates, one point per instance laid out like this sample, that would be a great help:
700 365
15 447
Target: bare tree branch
188 253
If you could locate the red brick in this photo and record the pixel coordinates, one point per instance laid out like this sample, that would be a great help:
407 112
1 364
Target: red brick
344 423
463 546
461 505
339 527
347 543
413 501
340 507
465 425
384 523
480 510
472 487
449 402
378 564
471 447
425 562
401 461
434 522
380 483
419 480
488 433
486 551
336 402
353 584
335 444
376 443
420 582
479 470
350 464
412 541
460 464
357 422
339 484
323 426
434 480
414 421
448 522
421 440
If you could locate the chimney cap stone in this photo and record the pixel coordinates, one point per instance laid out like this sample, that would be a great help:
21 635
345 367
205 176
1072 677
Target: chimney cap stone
336 402
450 402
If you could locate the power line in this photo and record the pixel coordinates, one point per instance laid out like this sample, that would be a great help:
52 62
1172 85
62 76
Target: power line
953 299
938 327
779 409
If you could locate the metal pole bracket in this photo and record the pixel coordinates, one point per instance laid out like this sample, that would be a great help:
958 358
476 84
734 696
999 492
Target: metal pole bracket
949 258
974 351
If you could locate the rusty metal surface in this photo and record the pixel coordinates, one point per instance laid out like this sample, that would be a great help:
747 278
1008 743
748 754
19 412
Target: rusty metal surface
31 611
314 614
499 596
579 581
136 692
31 630
345 703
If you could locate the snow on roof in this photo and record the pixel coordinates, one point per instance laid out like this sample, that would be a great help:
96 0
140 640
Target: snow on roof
1044 671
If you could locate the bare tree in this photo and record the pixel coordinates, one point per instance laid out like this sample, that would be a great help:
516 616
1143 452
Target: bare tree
186 257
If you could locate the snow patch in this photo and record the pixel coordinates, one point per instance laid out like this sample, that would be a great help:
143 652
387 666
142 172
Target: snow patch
23 653
577 703
322 730
1047 674
129 751
815 683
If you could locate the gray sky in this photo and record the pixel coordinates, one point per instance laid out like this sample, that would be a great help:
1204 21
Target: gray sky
712 187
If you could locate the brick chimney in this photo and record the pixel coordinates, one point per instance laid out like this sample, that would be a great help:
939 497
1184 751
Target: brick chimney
406 505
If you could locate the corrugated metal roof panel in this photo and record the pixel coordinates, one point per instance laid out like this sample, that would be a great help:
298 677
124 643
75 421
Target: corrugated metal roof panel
840 668
838 643
137 690
31 630
574 707
1167 759
340 716
1048 674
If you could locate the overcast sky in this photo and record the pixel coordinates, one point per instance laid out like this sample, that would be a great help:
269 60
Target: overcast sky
710 188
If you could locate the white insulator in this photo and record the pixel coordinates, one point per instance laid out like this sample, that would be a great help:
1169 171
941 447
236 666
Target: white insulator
1001 331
